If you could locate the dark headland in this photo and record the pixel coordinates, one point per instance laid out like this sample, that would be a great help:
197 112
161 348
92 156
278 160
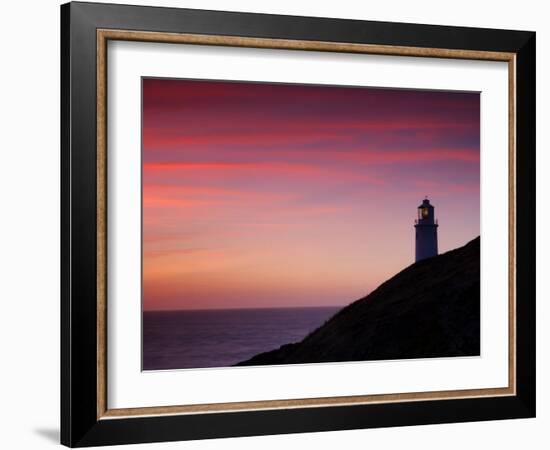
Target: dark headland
430 309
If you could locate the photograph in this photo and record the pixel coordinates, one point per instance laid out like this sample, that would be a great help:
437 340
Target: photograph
279 222
304 224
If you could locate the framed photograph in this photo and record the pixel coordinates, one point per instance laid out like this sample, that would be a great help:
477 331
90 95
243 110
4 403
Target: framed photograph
276 224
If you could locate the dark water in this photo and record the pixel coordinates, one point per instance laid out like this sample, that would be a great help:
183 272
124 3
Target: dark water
219 338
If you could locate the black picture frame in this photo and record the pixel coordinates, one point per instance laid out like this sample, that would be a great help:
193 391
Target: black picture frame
80 425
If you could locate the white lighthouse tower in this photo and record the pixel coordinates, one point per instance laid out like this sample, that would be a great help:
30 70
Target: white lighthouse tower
426 231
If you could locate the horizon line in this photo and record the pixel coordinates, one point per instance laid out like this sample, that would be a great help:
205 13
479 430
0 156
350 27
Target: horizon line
244 308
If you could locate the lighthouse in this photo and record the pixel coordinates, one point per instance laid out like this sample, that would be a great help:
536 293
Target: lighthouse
426 231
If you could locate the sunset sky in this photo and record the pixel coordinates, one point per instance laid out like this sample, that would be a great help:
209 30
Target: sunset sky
265 195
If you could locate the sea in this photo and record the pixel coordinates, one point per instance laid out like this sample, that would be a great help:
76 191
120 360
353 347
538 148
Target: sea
220 338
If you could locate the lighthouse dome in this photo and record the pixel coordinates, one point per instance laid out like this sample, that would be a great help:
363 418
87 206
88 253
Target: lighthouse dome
425 203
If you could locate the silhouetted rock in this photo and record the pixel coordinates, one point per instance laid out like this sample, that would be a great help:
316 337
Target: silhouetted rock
430 309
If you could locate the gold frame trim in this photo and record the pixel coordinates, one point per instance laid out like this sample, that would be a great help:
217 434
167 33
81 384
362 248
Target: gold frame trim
104 35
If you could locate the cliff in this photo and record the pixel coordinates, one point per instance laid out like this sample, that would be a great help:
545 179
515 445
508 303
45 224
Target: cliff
430 309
